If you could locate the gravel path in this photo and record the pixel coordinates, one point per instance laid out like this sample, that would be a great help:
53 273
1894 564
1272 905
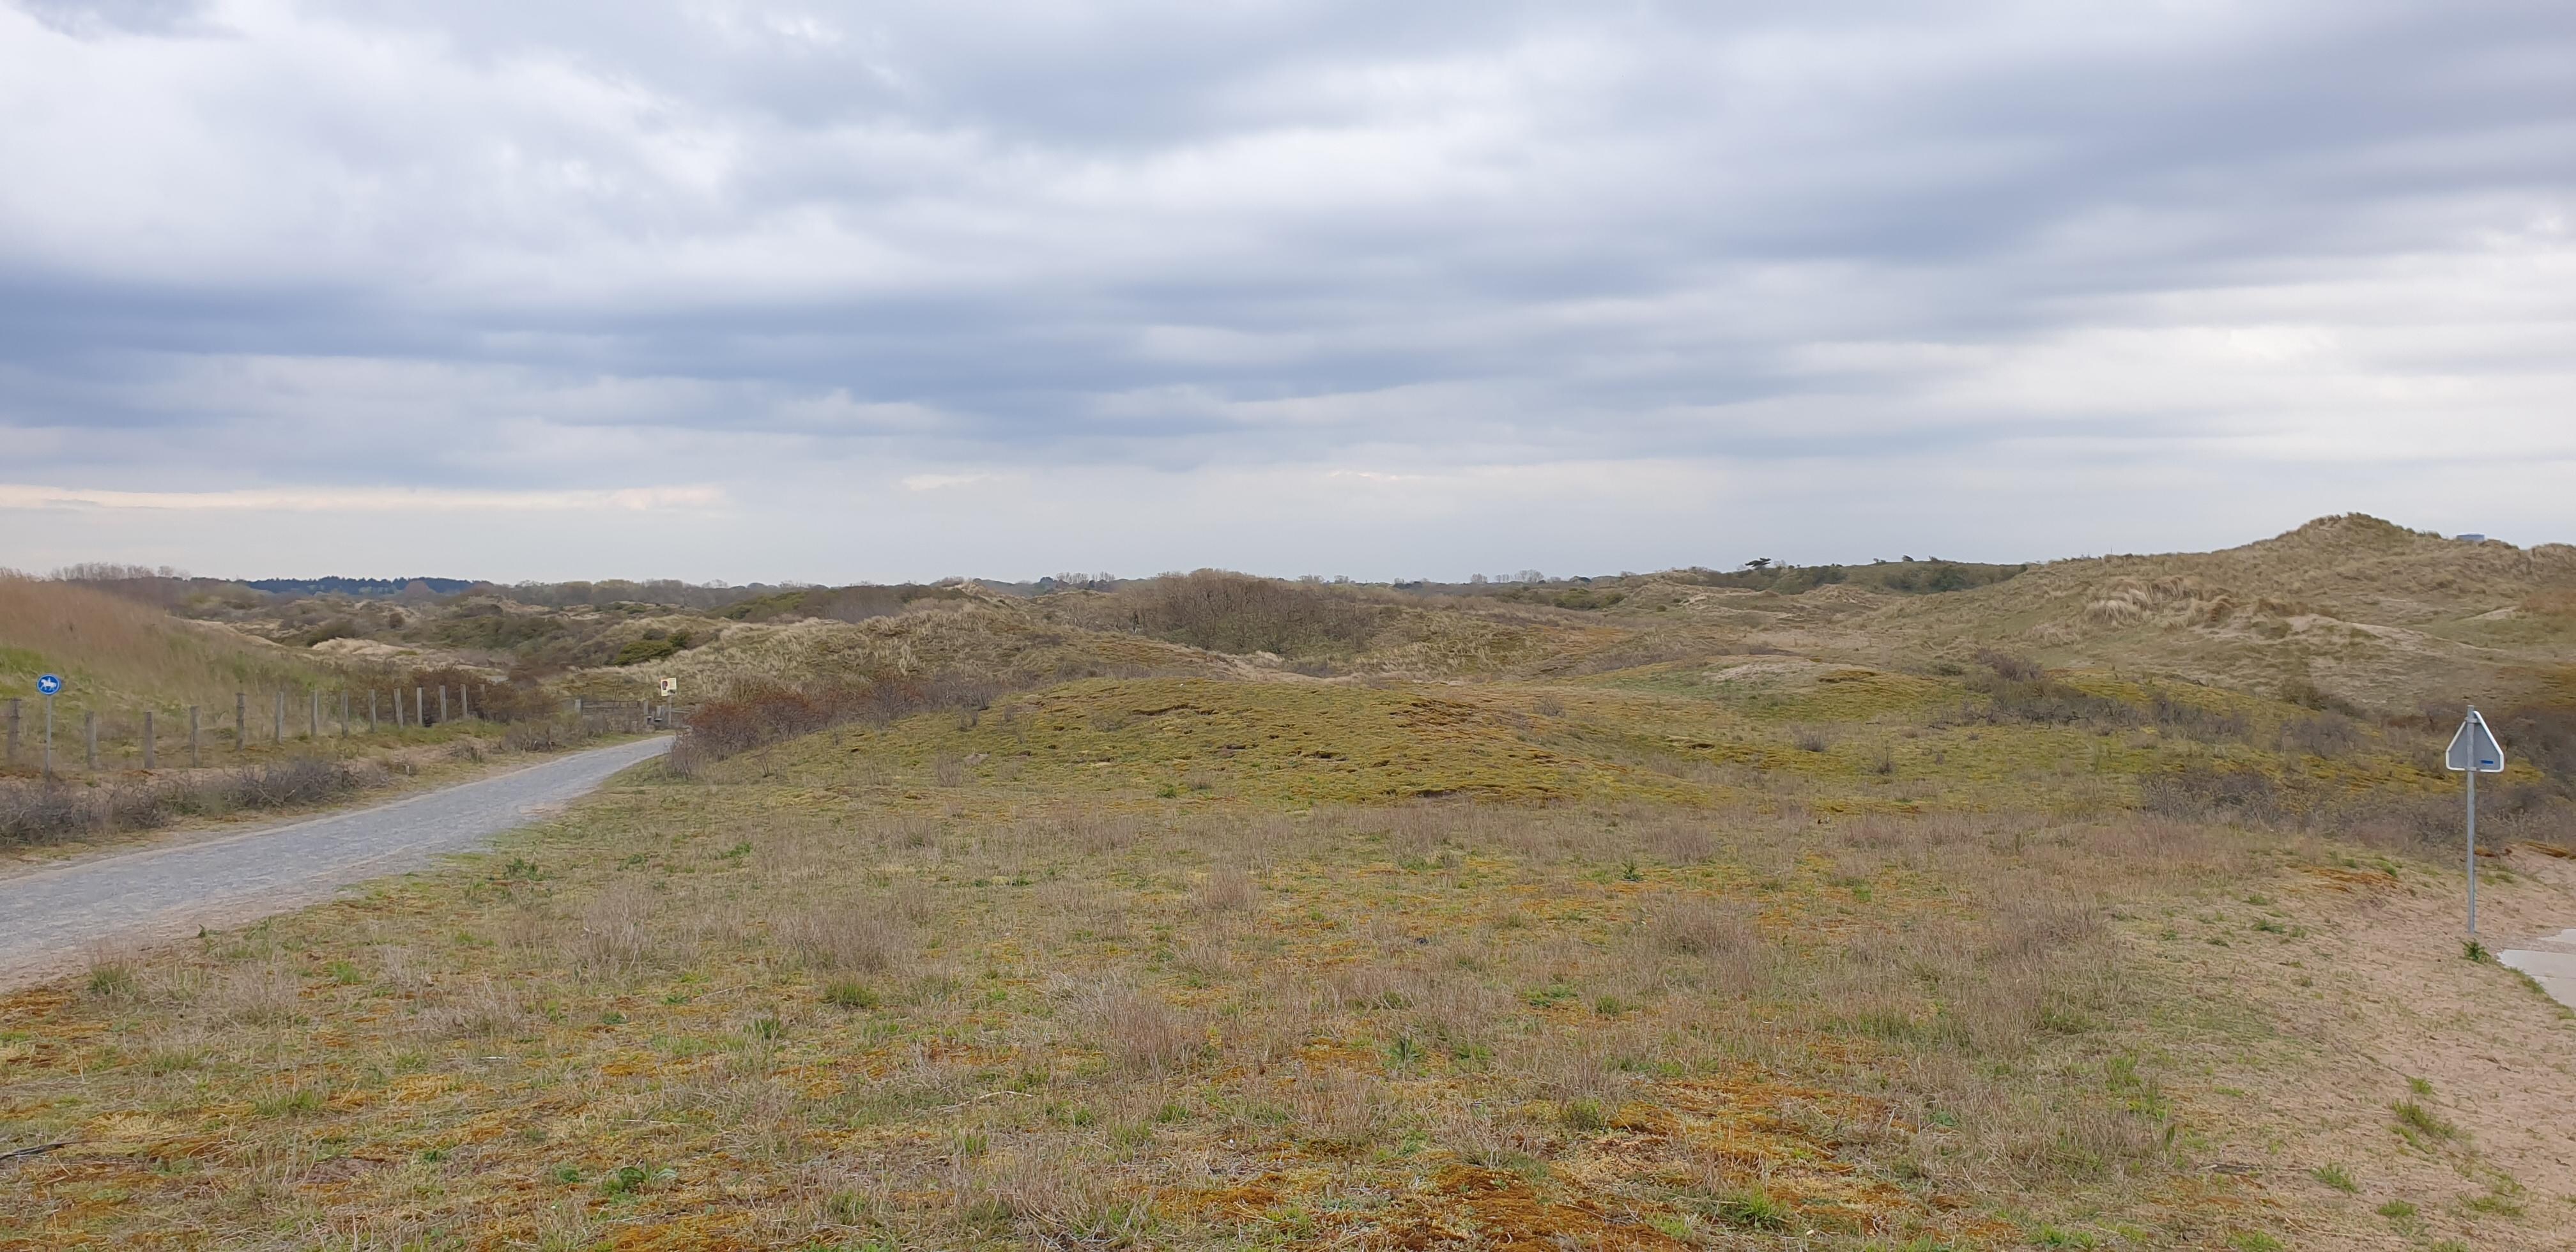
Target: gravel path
52 920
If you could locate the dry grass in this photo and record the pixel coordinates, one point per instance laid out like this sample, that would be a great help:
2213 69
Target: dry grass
119 654
1608 961
1627 1027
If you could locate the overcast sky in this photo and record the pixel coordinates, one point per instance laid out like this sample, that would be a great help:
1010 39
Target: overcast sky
589 288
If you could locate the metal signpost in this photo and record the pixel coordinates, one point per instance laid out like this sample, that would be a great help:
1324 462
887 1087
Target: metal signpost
2474 751
49 686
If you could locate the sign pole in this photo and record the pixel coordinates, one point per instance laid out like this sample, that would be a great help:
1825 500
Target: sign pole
2474 751
49 735
2473 854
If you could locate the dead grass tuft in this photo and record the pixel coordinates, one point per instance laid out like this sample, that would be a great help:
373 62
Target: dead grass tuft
864 936
1138 1031
617 935
1226 889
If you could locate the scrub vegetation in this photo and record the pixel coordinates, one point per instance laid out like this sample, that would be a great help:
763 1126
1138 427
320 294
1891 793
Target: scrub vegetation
1088 919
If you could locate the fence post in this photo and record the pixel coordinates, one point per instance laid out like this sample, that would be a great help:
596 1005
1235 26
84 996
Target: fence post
313 729
241 721
194 758
371 710
89 737
13 731
420 706
398 718
344 712
277 725
149 757
464 702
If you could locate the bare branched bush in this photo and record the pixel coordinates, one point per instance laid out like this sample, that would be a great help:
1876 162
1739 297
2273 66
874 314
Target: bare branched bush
1238 613
2212 793
2328 735
37 813
535 735
2198 721
297 780
756 713
2010 668
42 813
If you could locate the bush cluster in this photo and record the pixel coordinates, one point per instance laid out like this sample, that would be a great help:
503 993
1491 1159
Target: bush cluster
39 813
754 714
1241 614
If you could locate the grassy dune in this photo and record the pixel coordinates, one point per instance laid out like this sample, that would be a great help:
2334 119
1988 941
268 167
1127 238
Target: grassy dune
1747 951
118 655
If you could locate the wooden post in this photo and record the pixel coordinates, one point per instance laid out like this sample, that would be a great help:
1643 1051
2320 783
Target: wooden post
195 758
442 702
371 710
420 706
464 702
14 702
149 757
344 712
313 729
89 736
277 724
241 721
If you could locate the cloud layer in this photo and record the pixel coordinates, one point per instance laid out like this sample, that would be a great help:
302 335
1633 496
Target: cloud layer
885 290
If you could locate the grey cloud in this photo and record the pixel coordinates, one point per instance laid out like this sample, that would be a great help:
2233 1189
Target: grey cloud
1177 235
95 18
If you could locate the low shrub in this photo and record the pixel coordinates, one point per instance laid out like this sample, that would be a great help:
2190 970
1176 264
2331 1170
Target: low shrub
2328 735
754 714
2201 792
41 813
297 780
1238 613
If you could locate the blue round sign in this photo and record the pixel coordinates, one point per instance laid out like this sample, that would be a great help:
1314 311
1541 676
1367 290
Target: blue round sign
49 684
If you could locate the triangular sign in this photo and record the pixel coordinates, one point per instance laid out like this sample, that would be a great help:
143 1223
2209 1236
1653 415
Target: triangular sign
2475 748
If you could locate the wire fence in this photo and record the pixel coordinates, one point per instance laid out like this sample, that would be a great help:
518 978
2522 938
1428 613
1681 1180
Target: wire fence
194 736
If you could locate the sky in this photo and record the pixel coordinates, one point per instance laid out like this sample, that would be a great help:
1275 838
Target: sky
834 292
